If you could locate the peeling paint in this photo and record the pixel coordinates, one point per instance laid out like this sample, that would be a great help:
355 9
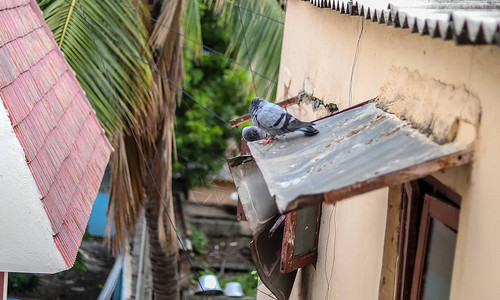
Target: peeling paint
435 108
317 104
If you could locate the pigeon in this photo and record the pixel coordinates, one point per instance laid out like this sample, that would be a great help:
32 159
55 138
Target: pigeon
253 133
274 120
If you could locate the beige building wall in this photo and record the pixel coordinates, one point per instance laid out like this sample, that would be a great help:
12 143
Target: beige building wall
320 45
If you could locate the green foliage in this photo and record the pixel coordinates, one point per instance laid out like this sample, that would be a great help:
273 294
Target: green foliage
22 282
257 38
201 138
79 266
199 240
192 27
122 41
248 282
86 236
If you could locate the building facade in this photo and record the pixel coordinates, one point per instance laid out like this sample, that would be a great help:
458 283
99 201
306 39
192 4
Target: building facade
348 59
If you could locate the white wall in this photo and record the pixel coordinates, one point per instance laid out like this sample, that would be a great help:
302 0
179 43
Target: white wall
26 240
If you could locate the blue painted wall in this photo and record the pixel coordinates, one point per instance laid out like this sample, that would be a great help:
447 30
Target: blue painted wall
98 217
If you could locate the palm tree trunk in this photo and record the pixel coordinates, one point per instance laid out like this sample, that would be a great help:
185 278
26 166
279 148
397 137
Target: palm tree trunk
166 47
164 262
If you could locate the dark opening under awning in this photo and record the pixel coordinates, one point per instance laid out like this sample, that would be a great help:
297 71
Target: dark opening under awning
357 150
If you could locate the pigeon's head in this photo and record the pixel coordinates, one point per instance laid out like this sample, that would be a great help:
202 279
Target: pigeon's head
252 133
254 105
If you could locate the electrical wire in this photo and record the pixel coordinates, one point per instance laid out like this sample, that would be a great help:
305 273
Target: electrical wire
329 280
354 62
267 294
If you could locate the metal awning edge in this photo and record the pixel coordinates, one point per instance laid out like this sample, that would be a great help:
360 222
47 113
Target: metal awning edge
401 176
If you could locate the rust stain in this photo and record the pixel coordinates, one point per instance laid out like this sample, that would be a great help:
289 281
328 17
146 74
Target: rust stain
378 118
356 131
390 132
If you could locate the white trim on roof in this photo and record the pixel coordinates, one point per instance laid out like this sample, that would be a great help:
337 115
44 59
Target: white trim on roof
476 22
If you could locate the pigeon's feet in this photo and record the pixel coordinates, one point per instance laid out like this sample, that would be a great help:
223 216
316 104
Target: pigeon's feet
268 140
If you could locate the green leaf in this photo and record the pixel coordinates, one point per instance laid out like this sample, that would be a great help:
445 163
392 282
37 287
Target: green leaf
256 40
121 39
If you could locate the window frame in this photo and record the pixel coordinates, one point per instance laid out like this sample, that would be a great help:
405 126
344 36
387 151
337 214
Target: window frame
421 200
289 262
443 212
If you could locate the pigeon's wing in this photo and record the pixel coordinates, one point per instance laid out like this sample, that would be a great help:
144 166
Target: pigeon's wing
274 119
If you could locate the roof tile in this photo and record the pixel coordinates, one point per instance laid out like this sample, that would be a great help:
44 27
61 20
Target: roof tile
64 145
8 71
6 24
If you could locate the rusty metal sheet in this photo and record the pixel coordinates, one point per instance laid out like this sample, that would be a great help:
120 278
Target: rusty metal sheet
356 150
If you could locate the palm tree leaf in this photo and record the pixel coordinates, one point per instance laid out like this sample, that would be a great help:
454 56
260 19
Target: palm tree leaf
192 28
130 77
257 38
121 39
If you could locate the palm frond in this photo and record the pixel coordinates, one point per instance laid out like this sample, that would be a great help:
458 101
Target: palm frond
130 76
127 194
192 27
121 39
257 38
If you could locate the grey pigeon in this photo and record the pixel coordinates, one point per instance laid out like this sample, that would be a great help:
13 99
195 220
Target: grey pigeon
253 133
274 120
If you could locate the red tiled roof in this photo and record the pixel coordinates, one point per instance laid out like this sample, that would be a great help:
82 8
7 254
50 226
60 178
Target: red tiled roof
65 147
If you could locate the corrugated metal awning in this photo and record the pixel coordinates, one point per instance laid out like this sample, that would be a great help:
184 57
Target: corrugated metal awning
357 150
476 22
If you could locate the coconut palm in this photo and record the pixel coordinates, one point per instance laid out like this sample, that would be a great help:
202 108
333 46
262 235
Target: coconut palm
131 69
135 105
257 38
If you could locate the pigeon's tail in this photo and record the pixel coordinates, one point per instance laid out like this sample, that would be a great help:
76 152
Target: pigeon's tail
309 130
306 127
